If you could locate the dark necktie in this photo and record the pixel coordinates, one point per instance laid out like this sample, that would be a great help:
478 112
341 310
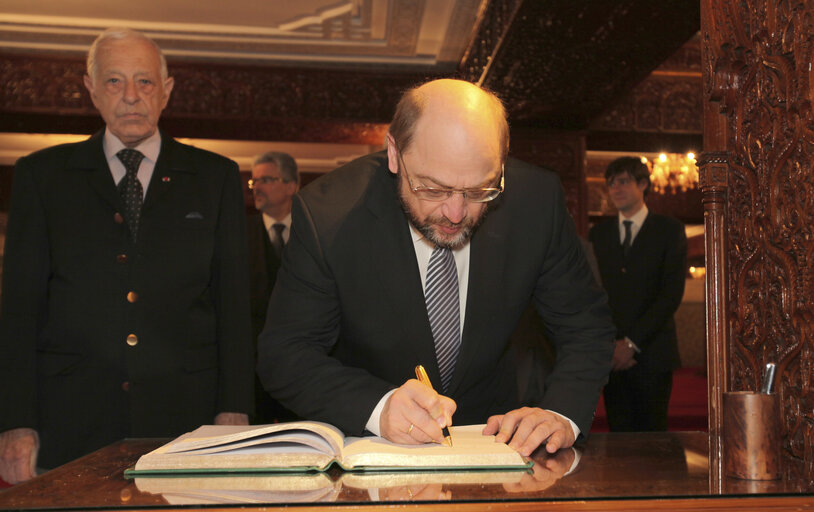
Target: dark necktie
277 241
443 308
628 236
130 188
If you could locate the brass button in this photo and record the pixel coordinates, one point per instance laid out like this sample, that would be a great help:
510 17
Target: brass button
125 386
132 340
132 297
121 258
117 218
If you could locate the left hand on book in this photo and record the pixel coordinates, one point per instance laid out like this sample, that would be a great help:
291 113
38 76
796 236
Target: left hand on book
232 418
527 428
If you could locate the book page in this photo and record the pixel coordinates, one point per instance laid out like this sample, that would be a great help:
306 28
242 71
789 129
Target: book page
470 450
216 438
292 446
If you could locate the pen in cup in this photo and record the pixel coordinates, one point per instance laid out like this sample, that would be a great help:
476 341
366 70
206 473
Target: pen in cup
421 375
768 379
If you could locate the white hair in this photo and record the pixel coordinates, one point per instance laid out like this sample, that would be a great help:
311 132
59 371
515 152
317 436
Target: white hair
119 34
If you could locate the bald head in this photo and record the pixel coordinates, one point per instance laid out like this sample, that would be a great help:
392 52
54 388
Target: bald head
452 113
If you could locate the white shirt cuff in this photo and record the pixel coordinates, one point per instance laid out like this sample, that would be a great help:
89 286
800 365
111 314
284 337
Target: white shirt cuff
373 422
574 428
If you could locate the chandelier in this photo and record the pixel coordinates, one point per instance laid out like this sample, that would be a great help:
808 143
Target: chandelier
673 171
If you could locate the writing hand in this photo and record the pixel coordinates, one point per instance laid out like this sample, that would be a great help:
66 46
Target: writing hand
18 454
527 428
415 414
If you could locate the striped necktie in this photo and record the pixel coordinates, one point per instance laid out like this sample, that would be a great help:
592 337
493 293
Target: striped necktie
443 309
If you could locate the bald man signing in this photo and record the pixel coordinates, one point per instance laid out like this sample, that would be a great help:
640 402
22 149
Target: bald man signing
428 254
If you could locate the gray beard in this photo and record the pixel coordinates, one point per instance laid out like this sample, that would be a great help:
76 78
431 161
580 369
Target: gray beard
426 227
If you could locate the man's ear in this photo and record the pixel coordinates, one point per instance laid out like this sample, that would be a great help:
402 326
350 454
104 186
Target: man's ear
168 84
392 154
89 86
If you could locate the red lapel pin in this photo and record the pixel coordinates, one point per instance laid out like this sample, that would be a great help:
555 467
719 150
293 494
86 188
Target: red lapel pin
165 179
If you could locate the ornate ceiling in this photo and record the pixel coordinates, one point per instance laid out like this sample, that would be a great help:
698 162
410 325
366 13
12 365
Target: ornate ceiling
398 33
330 71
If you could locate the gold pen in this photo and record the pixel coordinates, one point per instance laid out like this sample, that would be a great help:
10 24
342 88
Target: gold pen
421 375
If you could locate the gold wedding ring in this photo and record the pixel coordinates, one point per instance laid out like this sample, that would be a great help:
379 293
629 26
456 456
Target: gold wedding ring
410 430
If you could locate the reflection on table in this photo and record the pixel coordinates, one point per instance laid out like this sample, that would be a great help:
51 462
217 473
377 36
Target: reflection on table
357 486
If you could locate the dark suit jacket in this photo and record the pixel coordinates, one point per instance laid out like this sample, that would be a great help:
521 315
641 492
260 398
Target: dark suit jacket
645 288
263 265
348 322
67 370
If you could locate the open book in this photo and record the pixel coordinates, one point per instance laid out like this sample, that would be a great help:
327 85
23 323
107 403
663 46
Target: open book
314 446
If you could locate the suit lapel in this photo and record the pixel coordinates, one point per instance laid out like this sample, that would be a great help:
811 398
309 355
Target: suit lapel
486 263
641 236
171 161
391 241
90 157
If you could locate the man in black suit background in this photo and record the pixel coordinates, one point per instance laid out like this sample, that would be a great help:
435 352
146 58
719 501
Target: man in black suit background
275 180
349 318
125 291
642 260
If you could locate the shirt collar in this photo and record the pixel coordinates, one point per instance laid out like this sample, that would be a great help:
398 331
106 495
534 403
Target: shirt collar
637 218
150 147
269 221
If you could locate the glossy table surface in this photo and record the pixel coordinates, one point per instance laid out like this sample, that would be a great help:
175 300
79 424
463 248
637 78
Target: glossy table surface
614 472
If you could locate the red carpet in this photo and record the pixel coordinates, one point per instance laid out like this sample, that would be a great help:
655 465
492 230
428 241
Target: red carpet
688 403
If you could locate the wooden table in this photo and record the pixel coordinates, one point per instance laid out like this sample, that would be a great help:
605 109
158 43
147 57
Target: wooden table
649 471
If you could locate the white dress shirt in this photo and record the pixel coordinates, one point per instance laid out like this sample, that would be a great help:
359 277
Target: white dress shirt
270 221
150 148
638 219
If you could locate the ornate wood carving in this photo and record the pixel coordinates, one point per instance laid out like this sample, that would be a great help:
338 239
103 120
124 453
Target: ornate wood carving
493 24
758 192
46 94
560 64
660 104
562 152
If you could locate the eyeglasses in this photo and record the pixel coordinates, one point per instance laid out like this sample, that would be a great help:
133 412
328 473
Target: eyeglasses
264 180
438 194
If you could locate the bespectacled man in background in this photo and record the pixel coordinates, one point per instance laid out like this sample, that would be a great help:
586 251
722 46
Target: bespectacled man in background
275 180
642 260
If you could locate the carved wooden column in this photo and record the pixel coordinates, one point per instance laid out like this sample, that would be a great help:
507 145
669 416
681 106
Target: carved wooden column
712 181
757 178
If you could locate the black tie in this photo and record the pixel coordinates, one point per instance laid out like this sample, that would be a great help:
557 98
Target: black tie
626 242
278 241
130 188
